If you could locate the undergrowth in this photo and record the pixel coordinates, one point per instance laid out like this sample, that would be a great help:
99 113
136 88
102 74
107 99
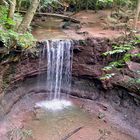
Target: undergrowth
13 41
124 51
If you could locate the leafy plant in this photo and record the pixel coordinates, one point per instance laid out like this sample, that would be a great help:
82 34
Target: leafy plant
23 40
126 56
107 76
119 49
11 39
123 50
115 64
4 21
137 81
104 3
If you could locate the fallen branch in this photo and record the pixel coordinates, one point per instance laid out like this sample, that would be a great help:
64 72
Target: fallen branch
72 133
57 16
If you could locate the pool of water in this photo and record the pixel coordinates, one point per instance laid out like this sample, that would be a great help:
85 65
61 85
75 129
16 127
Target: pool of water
55 125
47 124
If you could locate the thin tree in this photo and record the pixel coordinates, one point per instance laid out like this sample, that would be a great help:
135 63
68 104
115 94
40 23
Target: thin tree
137 15
12 8
28 17
1 2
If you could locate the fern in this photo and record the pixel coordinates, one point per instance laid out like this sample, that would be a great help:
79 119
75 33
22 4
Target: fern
124 50
119 49
107 76
115 64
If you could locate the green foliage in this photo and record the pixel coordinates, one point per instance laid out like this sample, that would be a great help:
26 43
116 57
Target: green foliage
134 81
138 72
4 21
100 4
104 3
115 64
137 81
26 40
123 50
11 39
23 40
81 4
92 4
7 30
119 49
88 4
45 2
24 4
107 76
136 55
137 40
124 3
17 17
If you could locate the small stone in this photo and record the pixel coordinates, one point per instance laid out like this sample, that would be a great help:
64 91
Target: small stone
125 116
137 101
105 121
103 106
101 131
101 115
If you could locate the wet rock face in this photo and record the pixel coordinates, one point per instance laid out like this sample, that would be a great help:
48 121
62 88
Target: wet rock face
85 88
88 62
133 66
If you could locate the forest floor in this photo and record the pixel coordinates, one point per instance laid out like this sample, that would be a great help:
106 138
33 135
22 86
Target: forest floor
92 25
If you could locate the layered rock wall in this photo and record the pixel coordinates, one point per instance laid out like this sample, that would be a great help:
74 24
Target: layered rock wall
88 64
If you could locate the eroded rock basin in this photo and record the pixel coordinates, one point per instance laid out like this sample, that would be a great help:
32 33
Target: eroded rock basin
25 121
98 114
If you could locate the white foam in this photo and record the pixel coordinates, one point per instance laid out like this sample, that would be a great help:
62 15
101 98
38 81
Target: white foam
54 104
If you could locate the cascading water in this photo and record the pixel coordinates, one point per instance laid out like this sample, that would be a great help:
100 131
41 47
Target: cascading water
59 67
58 56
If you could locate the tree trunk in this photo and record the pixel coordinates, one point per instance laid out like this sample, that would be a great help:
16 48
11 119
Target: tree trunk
137 15
87 5
1 2
67 18
18 5
28 17
12 9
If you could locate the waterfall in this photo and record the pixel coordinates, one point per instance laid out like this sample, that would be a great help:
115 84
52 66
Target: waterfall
58 56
